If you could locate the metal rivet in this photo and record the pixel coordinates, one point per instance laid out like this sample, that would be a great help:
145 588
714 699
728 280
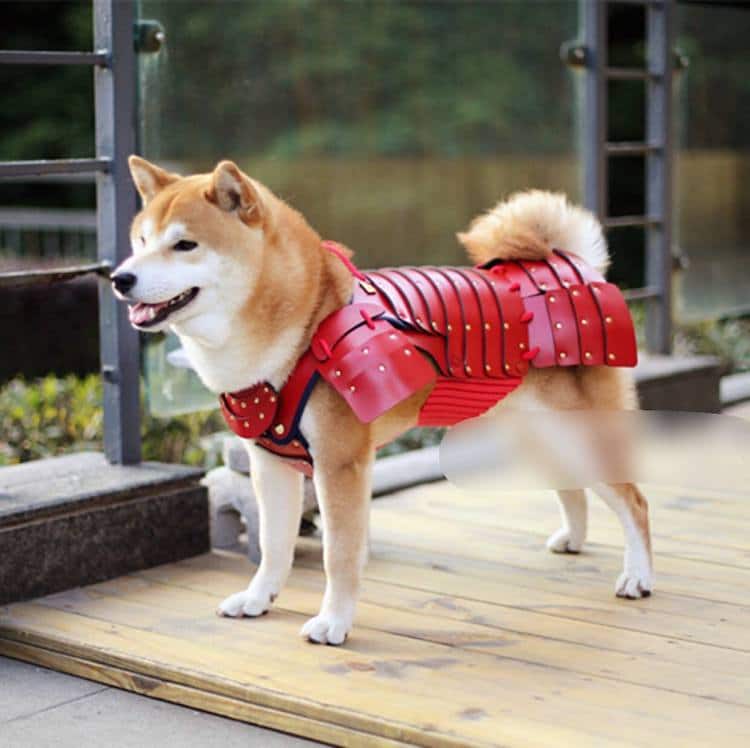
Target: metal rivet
552 299
506 325
352 388
418 320
279 428
243 404
487 367
434 326
245 424
611 357
587 355
295 443
608 320
533 269
337 372
232 400
486 325
543 286
566 284
522 346
273 398
468 327
393 336
584 321
261 416
381 367
563 355
449 328
407 352
506 367
468 369
365 351
256 400
265 389
575 292
558 325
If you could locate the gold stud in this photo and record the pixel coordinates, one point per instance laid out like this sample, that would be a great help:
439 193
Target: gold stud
522 346
243 404
365 351
543 286
256 400
487 326
506 325
295 443
506 367
393 336
381 367
407 352
233 401
558 325
584 321
265 389
533 269
261 416
576 292
608 320
587 354
352 388
611 357
449 328
563 354
273 398
245 424
468 327
337 372
434 325
487 367
468 369
552 299
279 428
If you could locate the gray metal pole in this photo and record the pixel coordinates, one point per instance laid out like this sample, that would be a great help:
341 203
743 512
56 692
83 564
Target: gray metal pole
659 124
115 92
594 124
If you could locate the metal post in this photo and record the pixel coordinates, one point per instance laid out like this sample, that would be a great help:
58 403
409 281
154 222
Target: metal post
660 30
594 126
115 93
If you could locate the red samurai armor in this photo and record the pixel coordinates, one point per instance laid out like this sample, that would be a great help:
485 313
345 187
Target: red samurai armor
471 332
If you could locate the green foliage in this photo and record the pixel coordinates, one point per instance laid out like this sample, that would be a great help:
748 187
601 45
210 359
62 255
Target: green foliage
51 416
728 340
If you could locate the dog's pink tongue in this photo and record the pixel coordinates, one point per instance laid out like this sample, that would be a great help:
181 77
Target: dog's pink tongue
141 313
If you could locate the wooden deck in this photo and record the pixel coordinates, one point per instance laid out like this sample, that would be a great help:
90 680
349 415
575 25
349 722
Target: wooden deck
469 632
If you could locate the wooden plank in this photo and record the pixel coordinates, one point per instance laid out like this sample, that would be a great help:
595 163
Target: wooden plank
408 689
456 623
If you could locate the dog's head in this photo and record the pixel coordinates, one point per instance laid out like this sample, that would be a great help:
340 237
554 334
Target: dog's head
197 248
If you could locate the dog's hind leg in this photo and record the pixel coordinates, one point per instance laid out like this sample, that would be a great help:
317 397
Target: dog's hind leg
631 508
279 493
570 537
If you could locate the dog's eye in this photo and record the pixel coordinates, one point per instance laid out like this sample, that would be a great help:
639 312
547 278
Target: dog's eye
184 246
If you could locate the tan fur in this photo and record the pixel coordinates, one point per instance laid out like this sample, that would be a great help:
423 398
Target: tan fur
292 283
529 225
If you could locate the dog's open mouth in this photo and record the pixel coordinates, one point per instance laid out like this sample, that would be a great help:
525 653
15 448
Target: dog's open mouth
147 315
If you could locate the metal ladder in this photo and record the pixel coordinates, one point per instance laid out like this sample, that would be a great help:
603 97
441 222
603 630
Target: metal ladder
656 148
114 66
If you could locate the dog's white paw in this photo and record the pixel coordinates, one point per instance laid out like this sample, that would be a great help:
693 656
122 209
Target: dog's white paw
563 541
634 584
327 629
249 602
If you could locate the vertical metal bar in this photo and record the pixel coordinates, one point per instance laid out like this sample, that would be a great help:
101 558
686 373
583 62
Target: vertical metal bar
660 30
115 92
594 126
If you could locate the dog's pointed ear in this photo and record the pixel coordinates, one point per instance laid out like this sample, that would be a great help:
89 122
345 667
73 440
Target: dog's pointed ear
149 179
232 190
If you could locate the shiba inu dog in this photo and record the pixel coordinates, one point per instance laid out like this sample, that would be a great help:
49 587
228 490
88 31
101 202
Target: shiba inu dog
248 286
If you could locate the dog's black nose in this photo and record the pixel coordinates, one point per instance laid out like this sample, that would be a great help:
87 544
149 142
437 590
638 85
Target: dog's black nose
123 282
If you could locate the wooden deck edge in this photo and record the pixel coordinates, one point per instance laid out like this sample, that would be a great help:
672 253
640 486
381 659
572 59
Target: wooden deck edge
286 715
194 698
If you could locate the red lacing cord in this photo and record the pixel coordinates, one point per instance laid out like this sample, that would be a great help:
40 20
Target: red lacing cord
350 266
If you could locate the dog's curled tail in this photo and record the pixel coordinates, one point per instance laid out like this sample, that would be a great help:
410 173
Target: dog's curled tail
529 225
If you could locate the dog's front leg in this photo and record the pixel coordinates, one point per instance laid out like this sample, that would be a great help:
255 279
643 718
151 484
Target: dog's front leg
279 493
344 499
